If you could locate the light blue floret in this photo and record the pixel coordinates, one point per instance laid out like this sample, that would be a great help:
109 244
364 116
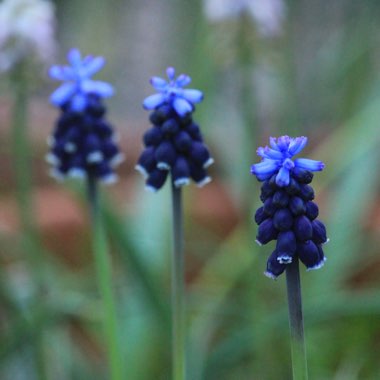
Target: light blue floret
173 93
276 159
78 82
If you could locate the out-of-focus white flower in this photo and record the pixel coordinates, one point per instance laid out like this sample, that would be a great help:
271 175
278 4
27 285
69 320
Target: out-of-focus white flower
27 27
267 14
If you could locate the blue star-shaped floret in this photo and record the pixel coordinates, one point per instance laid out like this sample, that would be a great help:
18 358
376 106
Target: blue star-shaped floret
172 92
276 159
77 81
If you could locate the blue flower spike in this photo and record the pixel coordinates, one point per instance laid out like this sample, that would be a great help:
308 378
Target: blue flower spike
82 143
174 142
288 214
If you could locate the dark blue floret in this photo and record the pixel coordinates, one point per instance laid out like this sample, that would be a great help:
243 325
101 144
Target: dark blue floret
280 198
82 143
319 232
312 210
260 215
153 136
266 232
303 228
288 214
269 207
274 266
174 143
283 219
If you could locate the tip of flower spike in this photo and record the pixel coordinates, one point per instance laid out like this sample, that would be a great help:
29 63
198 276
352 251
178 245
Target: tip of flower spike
142 171
173 93
170 72
204 181
317 266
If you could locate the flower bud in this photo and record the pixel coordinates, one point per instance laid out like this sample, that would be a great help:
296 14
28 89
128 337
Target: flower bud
165 155
302 228
297 205
170 127
274 267
283 219
306 192
269 207
319 232
260 215
183 142
293 188
311 210
302 175
152 136
266 232
280 198
147 162
156 179
308 254
181 172
286 242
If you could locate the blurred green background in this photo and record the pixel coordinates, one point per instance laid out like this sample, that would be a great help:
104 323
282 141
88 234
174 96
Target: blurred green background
317 74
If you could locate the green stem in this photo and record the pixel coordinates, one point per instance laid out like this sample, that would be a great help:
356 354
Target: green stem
178 290
297 340
104 278
30 244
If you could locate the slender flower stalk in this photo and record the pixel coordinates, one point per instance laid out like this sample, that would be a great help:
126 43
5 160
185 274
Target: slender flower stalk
289 216
83 146
24 195
178 288
104 276
174 145
26 35
297 339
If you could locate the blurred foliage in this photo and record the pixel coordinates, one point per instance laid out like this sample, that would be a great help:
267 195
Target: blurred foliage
318 78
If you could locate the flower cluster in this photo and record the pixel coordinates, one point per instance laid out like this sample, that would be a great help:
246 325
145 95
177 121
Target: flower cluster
288 214
83 141
27 27
174 143
268 15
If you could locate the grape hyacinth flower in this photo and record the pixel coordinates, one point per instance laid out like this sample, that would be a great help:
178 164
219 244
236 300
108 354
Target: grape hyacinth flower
174 142
83 146
268 15
288 214
83 142
27 30
174 145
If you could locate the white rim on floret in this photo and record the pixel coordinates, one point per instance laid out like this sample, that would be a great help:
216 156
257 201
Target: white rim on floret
204 181
142 171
